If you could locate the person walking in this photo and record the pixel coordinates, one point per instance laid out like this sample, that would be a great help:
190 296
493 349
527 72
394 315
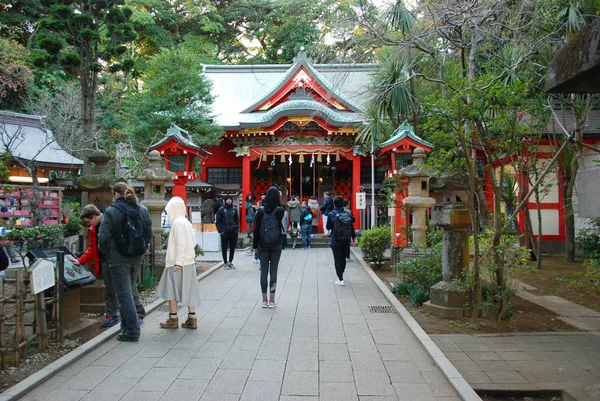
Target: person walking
267 241
294 211
91 217
340 224
325 209
314 208
250 211
179 282
306 217
124 251
228 226
284 226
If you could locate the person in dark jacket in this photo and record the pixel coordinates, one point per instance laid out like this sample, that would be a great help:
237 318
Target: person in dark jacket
228 225
306 224
219 203
340 248
325 209
268 256
124 269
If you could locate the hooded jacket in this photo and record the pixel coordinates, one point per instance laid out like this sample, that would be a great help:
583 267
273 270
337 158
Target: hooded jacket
294 210
271 204
91 254
228 220
182 241
112 225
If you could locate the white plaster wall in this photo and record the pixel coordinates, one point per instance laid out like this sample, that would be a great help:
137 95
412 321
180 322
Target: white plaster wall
549 221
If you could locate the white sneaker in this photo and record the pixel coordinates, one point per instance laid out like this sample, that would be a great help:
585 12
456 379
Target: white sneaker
340 282
255 261
348 260
264 304
272 305
231 266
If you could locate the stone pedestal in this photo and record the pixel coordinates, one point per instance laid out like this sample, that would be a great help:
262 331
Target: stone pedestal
447 300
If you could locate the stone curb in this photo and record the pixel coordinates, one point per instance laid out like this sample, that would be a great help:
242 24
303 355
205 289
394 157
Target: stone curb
464 390
46 373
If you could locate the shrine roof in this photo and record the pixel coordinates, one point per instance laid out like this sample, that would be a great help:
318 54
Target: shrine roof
240 88
303 107
33 141
405 130
182 137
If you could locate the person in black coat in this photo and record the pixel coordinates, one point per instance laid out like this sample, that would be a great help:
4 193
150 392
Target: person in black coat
268 255
228 225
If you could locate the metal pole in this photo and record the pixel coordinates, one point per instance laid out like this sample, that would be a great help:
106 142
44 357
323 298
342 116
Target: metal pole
60 264
372 180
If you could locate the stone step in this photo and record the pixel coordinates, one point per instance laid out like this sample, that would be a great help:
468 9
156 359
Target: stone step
94 293
92 307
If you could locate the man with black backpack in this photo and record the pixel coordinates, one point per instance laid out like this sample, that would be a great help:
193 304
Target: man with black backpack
124 236
340 224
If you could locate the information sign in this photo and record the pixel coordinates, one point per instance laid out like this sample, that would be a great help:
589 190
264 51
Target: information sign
361 200
42 275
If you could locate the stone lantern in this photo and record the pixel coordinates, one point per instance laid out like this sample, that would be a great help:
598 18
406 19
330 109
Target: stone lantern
154 177
418 199
99 182
452 215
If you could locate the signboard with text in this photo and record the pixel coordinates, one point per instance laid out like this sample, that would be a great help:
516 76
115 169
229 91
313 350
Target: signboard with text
361 200
42 275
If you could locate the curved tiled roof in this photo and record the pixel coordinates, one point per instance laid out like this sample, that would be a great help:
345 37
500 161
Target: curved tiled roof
303 107
404 130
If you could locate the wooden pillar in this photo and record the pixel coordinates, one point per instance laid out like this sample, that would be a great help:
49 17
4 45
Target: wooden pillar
179 188
246 189
399 221
355 184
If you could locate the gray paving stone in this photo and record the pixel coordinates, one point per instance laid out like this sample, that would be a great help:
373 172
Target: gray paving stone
88 378
157 379
175 358
111 389
394 352
247 343
298 398
193 341
273 351
483 356
261 391
372 383
475 377
338 391
470 366
185 390
333 352
332 336
213 350
300 383
506 377
386 337
136 367
457 356
377 398
228 381
403 372
156 349
361 344
267 370
495 366
200 369
308 361
473 347
413 392
57 395
439 384
515 355
239 359
304 343
335 371
224 335
367 361
142 396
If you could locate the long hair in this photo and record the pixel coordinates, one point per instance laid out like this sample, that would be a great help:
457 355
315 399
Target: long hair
126 192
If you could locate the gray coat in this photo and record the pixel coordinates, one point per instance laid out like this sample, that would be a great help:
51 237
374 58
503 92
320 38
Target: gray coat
110 227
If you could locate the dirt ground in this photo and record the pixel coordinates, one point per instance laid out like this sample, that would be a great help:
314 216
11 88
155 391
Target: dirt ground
563 279
528 317
36 360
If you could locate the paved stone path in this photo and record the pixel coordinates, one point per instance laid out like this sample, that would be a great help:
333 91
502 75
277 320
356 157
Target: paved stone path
320 343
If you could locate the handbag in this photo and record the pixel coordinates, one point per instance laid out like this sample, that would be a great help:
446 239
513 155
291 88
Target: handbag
249 219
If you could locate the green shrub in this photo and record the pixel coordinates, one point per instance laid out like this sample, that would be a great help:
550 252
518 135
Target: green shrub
373 244
401 289
425 269
198 250
149 280
418 294
588 240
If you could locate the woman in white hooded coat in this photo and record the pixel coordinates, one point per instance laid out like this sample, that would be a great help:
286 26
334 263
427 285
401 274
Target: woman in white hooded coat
178 282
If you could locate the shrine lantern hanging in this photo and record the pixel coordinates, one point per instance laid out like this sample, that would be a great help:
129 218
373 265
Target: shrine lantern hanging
180 153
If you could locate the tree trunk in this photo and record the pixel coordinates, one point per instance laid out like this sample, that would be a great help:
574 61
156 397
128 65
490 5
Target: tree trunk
568 186
538 240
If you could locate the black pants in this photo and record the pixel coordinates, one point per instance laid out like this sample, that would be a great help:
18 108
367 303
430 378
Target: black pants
283 241
339 250
228 241
269 262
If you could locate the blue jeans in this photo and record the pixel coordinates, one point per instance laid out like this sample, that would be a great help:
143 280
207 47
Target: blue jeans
124 280
306 232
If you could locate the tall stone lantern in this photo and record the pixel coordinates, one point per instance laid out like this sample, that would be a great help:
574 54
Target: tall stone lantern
99 182
154 177
418 199
447 299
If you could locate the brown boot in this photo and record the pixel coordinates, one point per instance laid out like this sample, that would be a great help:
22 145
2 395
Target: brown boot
190 323
171 323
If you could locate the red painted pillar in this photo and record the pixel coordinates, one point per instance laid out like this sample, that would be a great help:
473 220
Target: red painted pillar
179 188
355 184
246 189
400 221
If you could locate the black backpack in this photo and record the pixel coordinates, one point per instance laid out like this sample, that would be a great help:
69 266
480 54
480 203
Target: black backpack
130 241
342 226
270 233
